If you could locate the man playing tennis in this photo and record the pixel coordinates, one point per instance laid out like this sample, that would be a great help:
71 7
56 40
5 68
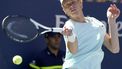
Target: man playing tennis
84 36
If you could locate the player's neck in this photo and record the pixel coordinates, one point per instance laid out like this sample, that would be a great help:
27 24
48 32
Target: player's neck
79 18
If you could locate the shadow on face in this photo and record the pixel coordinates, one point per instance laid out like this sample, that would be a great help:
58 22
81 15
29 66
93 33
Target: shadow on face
53 41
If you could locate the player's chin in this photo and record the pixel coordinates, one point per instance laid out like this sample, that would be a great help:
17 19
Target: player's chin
75 14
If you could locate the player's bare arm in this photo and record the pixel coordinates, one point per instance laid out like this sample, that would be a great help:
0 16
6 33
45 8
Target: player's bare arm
111 40
72 40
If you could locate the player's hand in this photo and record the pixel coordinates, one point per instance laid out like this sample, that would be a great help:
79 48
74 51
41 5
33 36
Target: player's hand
113 12
67 31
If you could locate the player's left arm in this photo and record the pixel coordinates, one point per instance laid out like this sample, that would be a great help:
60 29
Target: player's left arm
111 40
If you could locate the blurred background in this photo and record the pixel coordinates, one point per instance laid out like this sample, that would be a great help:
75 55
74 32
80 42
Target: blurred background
49 13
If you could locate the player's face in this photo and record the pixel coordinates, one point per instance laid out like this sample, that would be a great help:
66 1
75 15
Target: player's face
72 8
54 42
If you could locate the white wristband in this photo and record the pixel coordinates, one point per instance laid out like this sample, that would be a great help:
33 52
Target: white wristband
71 38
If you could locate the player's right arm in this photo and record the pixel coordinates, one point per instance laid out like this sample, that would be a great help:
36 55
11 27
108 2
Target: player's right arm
72 46
72 43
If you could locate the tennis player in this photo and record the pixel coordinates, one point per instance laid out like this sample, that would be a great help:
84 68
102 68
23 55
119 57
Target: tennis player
84 36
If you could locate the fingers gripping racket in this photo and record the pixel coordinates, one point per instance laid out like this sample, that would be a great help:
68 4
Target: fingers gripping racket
24 29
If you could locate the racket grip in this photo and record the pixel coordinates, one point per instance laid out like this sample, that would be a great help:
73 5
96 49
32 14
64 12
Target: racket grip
57 30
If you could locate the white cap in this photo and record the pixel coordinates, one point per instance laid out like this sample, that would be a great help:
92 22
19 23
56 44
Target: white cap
61 1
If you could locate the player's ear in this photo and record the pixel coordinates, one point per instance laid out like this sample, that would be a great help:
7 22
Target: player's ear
64 10
81 2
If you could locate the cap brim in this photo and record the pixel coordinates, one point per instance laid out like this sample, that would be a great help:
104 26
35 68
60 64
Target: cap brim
51 34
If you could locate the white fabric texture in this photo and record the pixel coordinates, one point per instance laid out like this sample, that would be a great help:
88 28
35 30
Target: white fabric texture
90 37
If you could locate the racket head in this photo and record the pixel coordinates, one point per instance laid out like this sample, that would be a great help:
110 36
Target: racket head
19 28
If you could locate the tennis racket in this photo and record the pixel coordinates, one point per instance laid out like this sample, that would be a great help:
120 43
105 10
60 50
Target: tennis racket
24 29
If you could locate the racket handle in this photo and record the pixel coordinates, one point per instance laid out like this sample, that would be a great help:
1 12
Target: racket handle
57 30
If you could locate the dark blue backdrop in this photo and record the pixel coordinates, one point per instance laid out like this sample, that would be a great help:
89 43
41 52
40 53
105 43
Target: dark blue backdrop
48 12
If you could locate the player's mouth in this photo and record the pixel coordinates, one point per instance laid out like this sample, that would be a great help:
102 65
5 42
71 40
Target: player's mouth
73 9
